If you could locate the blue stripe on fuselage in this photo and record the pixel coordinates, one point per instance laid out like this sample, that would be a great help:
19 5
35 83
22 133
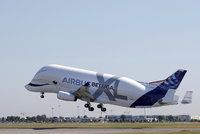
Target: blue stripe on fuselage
150 97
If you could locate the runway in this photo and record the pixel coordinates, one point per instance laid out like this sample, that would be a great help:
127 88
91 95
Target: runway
91 131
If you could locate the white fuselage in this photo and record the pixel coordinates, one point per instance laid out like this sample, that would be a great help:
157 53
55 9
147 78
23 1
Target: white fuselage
118 90
105 88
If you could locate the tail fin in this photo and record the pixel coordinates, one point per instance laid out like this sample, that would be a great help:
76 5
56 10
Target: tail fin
173 81
160 88
187 99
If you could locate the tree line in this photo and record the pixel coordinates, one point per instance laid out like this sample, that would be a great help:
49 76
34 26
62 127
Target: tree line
111 118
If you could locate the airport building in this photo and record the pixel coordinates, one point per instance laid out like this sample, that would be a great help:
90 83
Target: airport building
197 118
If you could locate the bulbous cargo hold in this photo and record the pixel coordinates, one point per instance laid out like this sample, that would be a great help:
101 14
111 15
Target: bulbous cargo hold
72 83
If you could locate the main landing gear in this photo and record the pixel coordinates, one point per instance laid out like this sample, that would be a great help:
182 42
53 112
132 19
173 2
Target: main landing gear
42 95
88 105
103 109
90 108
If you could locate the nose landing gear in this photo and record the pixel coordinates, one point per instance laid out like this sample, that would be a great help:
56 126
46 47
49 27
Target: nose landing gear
42 95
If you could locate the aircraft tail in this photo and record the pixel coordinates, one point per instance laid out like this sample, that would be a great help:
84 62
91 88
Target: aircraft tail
160 90
173 81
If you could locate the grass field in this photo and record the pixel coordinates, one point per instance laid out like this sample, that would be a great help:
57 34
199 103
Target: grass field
155 128
97 125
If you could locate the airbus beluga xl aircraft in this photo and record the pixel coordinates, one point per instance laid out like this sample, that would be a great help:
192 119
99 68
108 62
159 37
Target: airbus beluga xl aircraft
71 84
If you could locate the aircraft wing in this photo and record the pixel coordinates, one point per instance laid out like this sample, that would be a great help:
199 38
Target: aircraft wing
187 99
83 93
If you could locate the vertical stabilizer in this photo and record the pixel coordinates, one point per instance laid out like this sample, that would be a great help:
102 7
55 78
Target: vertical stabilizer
173 81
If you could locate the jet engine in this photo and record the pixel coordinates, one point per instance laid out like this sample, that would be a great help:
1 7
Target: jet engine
66 96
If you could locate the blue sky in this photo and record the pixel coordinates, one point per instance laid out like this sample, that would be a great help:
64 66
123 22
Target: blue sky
143 40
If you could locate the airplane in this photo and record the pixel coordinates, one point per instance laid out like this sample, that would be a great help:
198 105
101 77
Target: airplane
71 84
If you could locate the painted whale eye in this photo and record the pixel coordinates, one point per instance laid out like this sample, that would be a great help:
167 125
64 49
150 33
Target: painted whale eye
55 82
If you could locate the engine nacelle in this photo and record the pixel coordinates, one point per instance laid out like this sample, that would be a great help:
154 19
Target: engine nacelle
65 96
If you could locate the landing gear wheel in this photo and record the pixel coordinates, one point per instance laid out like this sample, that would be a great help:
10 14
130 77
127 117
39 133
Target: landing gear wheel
42 95
103 109
87 105
90 108
99 106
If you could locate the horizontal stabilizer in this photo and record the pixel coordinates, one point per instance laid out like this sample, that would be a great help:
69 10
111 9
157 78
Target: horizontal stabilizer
169 97
187 99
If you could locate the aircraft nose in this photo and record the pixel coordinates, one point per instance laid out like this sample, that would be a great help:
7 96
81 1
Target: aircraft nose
28 87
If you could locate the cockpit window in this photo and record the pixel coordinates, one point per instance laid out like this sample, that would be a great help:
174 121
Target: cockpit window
55 82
